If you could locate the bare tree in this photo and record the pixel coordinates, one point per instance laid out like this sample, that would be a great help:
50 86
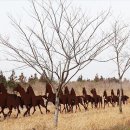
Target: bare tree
62 42
121 52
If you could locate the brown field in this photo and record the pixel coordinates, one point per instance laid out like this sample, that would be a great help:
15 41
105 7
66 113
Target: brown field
93 119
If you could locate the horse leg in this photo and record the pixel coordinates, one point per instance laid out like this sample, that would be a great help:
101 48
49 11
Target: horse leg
43 105
92 104
104 103
79 107
71 108
108 103
87 102
46 106
83 104
64 108
101 102
18 111
10 111
34 109
40 109
60 108
95 105
27 111
2 111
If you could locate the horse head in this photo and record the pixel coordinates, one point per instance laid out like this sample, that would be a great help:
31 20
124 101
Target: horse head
118 92
66 91
72 92
112 92
61 92
122 92
17 88
84 91
105 93
48 89
93 91
30 90
2 88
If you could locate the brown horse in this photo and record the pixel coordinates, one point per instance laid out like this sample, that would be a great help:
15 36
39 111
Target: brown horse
49 95
97 98
107 99
36 100
76 100
124 98
3 98
87 98
25 97
66 91
12 101
63 99
115 99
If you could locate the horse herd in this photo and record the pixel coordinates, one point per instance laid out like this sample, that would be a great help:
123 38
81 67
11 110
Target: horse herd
68 99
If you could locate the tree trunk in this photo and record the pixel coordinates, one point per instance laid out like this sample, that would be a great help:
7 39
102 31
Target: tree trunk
120 102
56 109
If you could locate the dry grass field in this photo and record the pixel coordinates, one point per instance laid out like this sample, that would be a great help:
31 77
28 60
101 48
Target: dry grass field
93 119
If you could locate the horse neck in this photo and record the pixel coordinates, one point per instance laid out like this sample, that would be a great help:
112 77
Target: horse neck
66 91
95 93
48 89
73 93
122 92
22 92
30 91
118 92
112 93
84 92
50 92
105 94
61 92
3 90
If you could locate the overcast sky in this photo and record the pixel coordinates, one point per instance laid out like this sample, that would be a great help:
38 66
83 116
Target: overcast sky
120 9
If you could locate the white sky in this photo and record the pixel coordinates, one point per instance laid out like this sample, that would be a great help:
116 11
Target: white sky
120 9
